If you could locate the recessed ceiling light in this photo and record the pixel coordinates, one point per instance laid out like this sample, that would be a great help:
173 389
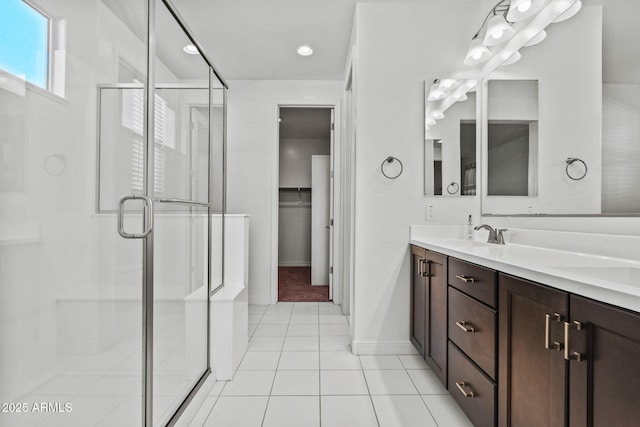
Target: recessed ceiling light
191 49
305 50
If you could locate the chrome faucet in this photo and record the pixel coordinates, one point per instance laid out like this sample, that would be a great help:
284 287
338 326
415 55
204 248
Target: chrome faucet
495 235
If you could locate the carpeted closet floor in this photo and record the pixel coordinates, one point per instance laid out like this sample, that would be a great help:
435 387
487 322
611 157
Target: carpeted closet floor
294 285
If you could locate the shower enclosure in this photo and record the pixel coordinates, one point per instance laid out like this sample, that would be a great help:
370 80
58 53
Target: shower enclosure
112 200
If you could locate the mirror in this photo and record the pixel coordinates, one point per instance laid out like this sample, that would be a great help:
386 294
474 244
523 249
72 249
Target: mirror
450 139
512 150
588 145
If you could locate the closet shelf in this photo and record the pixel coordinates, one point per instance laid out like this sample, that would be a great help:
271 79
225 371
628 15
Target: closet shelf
295 188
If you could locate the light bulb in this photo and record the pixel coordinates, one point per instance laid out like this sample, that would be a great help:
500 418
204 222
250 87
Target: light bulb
476 55
523 7
497 34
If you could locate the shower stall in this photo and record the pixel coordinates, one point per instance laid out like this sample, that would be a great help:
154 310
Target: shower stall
112 202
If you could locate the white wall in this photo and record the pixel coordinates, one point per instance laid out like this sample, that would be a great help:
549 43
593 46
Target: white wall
252 165
398 46
295 159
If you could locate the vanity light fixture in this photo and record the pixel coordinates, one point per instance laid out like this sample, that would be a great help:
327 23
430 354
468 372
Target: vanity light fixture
435 93
569 12
519 10
537 38
448 84
512 59
191 50
477 53
498 30
438 115
305 50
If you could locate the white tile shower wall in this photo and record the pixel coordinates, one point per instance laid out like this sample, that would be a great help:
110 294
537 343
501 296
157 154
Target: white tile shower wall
252 164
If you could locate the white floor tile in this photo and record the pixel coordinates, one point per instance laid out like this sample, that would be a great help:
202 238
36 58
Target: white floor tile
388 381
266 343
293 411
301 344
333 319
278 319
342 383
339 360
67 385
426 382
329 308
446 411
352 411
86 411
310 308
204 411
114 385
255 318
333 329
381 362
260 361
296 383
257 309
127 413
304 318
302 330
270 330
217 388
249 383
405 411
280 308
237 412
413 362
299 360
252 328
335 343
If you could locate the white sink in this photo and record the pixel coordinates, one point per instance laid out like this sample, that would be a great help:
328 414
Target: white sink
617 274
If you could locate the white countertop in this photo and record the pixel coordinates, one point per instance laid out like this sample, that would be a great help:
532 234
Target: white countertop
604 278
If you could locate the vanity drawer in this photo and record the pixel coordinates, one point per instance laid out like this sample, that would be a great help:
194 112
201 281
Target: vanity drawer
472 327
471 389
479 282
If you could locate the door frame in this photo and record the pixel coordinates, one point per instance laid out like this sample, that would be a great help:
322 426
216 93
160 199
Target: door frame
334 250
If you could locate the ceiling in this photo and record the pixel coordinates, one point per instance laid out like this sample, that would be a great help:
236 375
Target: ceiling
257 39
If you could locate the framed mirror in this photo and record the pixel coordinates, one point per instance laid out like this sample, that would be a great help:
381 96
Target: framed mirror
450 142
588 145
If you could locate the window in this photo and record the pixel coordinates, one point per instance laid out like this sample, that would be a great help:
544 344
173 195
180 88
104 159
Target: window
24 41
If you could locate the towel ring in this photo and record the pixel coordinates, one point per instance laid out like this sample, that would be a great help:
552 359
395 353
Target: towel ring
570 161
390 160
455 186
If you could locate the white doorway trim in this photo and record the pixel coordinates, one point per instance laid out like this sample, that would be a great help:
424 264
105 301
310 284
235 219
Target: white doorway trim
335 149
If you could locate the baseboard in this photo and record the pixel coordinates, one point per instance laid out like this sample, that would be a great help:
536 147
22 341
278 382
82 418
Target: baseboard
294 264
382 347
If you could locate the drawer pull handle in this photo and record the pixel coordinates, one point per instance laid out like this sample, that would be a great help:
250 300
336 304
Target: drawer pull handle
568 355
465 279
547 332
461 385
465 326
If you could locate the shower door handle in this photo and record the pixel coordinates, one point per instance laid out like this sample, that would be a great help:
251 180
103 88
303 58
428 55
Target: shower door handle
148 222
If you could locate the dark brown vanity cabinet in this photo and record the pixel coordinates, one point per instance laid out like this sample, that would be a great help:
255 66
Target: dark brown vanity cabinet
429 308
565 359
472 340
604 368
532 377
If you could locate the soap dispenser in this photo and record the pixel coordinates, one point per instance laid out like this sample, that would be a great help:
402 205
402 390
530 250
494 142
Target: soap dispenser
470 228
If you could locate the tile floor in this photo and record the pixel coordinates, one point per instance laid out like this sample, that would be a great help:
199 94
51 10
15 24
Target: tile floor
299 372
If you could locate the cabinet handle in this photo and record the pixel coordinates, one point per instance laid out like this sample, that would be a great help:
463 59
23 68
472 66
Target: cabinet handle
547 332
568 355
465 279
420 265
465 326
427 268
461 385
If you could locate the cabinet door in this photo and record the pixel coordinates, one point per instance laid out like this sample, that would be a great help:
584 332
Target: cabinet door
418 298
436 315
605 386
532 379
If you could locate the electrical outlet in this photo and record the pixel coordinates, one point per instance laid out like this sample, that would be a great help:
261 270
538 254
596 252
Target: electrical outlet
428 215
